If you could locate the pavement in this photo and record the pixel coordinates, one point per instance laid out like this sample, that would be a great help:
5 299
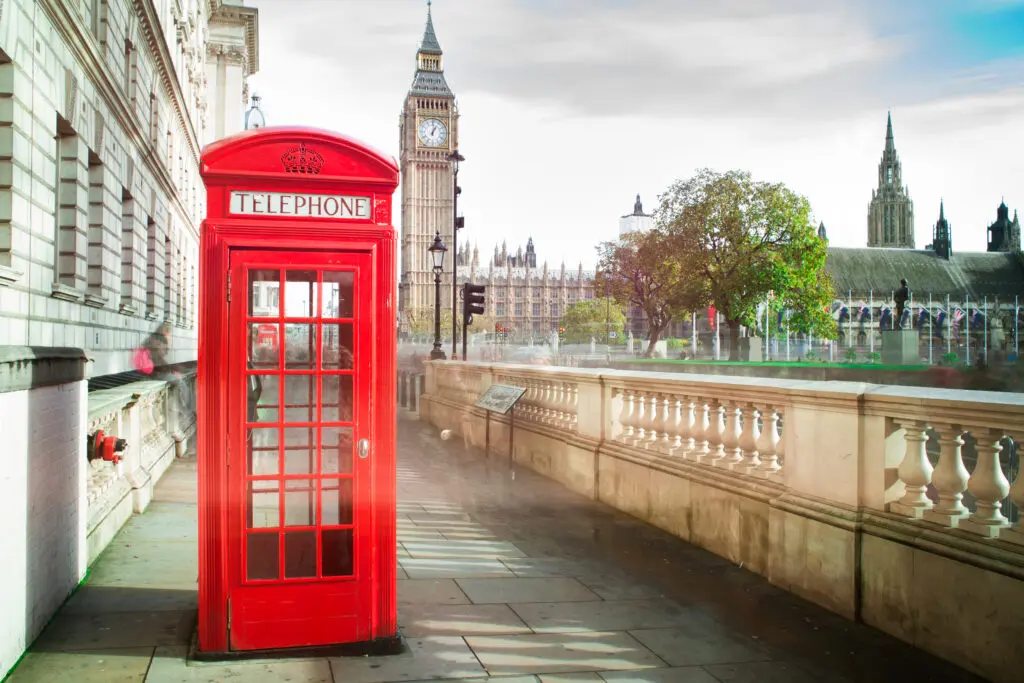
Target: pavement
503 573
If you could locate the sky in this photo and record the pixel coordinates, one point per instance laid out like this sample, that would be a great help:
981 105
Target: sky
570 108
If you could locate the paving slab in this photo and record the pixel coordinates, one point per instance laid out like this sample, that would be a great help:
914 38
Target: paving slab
170 666
461 620
428 657
115 630
766 672
700 644
515 590
606 615
558 652
111 665
92 599
431 591
463 548
690 674
455 567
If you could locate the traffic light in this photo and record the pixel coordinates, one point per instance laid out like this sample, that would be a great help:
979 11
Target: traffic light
561 333
472 301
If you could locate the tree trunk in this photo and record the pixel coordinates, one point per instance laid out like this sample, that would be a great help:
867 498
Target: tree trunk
734 340
654 335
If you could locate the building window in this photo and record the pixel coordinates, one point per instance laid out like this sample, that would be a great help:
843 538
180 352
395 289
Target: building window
519 309
72 208
536 292
554 310
589 294
499 310
888 173
536 310
154 268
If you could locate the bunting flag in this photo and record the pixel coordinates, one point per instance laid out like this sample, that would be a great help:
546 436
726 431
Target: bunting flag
940 319
885 318
864 313
922 318
840 311
712 319
977 320
905 318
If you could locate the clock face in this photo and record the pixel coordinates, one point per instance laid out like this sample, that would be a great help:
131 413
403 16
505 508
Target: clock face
433 132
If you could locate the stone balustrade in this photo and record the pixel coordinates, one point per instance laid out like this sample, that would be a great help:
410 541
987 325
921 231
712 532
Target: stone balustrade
146 415
881 503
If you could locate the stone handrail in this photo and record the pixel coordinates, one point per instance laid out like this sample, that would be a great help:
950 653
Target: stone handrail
859 446
146 415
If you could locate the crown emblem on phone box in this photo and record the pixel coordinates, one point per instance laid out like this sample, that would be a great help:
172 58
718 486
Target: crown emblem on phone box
302 159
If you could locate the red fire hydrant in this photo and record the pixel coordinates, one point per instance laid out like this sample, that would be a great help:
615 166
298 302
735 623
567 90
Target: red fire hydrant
107 448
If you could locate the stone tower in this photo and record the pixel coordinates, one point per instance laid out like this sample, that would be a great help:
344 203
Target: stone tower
942 235
1004 234
891 213
429 131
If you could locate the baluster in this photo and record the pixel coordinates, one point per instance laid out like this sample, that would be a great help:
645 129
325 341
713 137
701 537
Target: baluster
915 471
768 444
949 478
1016 534
732 455
557 404
626 417
655 421
716 432
574 407
549 402
988 485
702 447
687 426
639 420
670 438
749 438
780 447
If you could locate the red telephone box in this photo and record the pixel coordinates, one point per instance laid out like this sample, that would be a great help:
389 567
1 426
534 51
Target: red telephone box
296 442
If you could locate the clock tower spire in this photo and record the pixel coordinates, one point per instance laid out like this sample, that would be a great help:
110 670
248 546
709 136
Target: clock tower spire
428 132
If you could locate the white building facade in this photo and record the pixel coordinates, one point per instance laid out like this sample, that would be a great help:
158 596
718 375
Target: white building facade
104 108
638 221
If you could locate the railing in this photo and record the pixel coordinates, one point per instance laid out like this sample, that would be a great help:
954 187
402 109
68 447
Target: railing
149 418
900 450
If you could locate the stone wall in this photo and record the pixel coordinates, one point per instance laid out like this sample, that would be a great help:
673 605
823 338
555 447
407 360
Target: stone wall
42 489
826 489
59 509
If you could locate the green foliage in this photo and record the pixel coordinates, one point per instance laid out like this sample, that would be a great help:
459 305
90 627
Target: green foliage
949 359
851 355
638 270
592 319
677 344
741 241
874 357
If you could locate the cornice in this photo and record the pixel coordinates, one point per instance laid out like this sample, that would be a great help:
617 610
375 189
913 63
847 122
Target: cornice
83 49
248 18
154 32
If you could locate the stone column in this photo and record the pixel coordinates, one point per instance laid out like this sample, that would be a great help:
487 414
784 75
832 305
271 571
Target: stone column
73 217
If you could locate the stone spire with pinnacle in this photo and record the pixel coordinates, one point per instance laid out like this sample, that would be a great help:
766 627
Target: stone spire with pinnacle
942 234
429 79
891 213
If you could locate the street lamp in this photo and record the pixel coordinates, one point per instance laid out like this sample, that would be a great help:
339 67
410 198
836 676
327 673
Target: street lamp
457 223
437 250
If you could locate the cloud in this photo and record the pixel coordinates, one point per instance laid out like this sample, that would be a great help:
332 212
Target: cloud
571 107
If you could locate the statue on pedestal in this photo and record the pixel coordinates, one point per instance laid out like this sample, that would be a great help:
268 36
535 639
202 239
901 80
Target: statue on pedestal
900 298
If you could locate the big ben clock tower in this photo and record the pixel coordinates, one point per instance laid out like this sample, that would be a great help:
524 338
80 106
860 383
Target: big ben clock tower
429 129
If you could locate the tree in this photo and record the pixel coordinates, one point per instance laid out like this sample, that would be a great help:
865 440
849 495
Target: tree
743 240
635 272
592 319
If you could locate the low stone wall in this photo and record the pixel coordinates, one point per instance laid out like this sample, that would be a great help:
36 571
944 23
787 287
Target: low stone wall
820 525
1004 378
60 510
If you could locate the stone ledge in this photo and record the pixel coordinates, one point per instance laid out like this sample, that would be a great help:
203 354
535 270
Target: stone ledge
65 293
1000 557
8 276
31 367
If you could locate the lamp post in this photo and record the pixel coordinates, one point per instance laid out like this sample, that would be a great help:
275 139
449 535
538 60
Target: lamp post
457 223
437 250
